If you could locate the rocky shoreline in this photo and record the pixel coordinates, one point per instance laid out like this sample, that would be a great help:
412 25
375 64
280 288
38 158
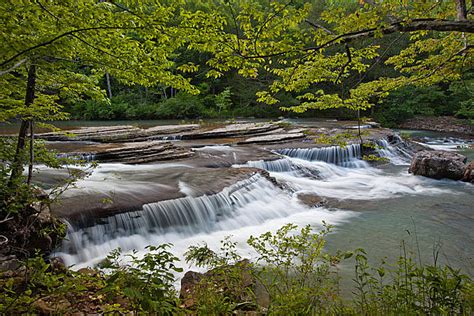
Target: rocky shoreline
445 124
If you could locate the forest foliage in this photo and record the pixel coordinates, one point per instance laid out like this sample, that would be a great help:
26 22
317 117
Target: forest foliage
126 59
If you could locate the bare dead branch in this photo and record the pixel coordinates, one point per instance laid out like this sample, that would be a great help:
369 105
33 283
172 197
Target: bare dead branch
18 64
318 27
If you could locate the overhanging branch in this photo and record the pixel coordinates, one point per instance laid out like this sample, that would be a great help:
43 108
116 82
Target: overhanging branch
72 32
466 26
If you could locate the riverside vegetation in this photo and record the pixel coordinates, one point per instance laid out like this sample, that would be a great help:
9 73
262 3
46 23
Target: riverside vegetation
295 274
300 56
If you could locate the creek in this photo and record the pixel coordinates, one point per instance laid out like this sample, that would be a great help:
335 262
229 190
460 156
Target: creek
194 200
372 207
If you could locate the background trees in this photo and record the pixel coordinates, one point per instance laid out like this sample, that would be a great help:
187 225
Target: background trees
302 55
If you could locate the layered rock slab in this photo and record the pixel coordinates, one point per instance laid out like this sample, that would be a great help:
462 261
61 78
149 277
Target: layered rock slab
117 133
110 192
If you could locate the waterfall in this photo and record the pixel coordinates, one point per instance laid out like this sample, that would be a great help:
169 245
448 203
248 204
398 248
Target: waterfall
395 150
185 216
168 137
279 165
347 156
283 165
88 157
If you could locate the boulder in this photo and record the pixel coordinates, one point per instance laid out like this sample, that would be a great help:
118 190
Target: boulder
51 305
438 165
234 281
9 262
469 173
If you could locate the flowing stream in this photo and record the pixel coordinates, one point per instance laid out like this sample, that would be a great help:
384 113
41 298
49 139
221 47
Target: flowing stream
373 207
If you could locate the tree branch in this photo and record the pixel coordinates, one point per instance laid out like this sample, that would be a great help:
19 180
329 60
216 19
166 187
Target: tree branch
403 27
18 64
318 26
349 60
262 27
461 10
72 32
6 219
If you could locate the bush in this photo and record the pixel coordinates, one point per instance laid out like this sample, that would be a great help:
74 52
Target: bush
467 110
300 278
181 106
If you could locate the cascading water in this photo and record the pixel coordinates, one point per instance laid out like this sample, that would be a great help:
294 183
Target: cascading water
345 176
256 205
395 151
347 156
279 165
282 165
234 207
87 157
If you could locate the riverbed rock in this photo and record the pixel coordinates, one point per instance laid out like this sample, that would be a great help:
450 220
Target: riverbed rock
170 129
115 134
275 138
142 152
233 130
135 153
235 281
311 199
448 124
99 134
438 165
469 173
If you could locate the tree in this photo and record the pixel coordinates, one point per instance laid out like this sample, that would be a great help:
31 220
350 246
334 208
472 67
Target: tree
315 53
55 52
52 52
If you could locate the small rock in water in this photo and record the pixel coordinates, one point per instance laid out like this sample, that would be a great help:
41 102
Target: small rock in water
438 165
311 199
469 173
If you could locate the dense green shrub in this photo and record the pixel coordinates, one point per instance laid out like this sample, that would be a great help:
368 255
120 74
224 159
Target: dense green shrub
301 278
467 110
181 106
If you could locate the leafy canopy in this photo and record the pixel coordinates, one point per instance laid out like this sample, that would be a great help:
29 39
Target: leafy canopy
314 53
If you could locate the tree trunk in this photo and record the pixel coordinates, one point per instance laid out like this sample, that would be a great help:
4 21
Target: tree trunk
32 155
461 10
17 165
109 87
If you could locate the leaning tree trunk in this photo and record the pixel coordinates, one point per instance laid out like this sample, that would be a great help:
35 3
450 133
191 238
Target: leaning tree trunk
18 160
